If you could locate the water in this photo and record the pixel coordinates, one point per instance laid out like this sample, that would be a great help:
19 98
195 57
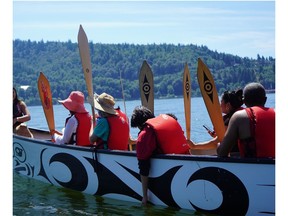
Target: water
31 197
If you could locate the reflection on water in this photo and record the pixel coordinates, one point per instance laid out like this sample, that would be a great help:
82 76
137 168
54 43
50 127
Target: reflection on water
32 197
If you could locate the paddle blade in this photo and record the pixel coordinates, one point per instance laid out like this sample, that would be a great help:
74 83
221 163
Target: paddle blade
146 86
85 59
210 97
46 100
187 99
86 64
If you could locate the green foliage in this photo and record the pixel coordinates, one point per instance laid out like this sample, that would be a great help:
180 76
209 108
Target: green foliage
61 64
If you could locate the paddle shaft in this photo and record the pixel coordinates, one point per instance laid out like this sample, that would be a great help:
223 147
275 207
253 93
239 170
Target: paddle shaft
123 95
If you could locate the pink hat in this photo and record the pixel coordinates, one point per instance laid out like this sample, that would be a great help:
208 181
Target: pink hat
75 102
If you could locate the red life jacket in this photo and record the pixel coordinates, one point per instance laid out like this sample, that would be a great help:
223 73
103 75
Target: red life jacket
81 137
119 131
170 136
262 141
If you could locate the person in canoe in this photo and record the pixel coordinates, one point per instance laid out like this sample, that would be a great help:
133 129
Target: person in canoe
158 135
77 125
252 128
112 128
231 101
21 115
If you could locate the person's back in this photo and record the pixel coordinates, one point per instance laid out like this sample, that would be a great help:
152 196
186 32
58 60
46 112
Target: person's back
151 130
83 129
253 128
77 125
119 131
170 136
112 128
261 142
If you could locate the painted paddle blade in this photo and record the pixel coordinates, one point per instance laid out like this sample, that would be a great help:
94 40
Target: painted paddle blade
187 99
146 85
86 63
210 97
46 100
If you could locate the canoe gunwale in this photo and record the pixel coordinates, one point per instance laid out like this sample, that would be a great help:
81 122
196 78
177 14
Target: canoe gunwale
210 158
194 182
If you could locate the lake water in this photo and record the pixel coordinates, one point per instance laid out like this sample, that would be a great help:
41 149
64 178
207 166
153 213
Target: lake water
31 197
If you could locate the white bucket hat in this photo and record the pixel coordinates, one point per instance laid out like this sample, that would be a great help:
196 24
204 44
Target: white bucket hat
104 102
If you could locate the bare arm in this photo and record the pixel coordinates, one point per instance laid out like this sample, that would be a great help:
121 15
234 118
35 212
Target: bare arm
211 144
238 128
93 138
144 181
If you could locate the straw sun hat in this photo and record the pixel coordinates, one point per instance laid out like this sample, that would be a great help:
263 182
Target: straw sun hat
75 102
104 102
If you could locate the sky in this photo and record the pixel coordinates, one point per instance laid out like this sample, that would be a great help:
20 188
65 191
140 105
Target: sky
239 28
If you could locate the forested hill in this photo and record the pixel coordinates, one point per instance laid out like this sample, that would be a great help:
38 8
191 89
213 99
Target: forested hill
61 64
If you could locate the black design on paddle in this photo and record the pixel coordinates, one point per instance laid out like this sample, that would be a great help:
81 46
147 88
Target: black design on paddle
208 87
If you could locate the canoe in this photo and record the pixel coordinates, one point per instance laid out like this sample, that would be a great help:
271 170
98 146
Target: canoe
204 183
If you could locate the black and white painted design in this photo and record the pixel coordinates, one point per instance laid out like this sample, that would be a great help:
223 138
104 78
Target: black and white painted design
186 184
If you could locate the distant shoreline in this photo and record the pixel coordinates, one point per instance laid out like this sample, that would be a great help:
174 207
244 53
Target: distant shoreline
269 91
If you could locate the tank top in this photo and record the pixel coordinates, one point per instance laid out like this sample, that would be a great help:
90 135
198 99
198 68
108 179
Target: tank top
262 127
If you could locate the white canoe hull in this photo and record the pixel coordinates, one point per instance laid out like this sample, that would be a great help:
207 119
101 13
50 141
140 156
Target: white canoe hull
203 183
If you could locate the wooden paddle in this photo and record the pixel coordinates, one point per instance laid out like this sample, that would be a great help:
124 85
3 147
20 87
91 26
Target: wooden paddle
46 100
211 99
130 141
123 95
146 85
86 64
187 99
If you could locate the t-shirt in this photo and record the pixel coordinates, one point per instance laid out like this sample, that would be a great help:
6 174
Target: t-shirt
67 132
102 130
146 143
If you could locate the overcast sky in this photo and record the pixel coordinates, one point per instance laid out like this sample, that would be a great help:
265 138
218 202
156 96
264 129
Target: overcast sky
239 28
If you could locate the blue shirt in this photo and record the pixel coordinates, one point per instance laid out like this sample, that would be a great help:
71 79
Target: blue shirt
102 130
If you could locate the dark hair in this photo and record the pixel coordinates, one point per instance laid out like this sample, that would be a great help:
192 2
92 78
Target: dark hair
254 94
172 115
234 98
140 115
16 99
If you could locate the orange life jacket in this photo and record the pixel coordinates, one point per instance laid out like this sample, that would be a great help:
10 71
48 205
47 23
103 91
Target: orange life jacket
119 131
170 136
